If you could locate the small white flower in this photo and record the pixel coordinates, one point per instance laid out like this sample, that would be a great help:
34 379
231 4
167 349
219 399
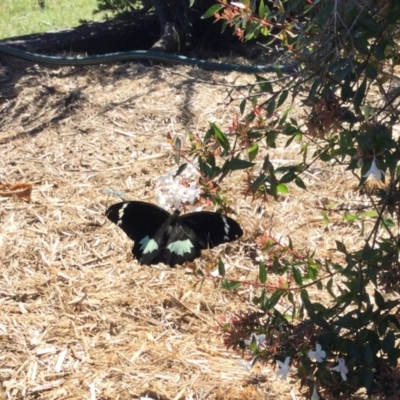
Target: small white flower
315 395
375 171
237 4
318 354
260 258
341 367
248 365
191 171
171 192
257 339
284 368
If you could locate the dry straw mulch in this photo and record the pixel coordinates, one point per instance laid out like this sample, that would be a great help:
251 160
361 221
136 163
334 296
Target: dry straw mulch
79 318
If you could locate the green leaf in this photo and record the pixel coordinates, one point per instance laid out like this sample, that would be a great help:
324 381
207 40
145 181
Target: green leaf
177 145
264 85
350 217
388 223
388 343
383 325
329 288
299 182
372 72
262 272
313 90
380 301
362 45
253 151
282 188
360 95
366 378
271 106
261 9
297 275
288 177
369 24
265 30
273 300
208 166
180 169
271 138
325 218
212 10
221 268
285 114
341 247
220 136
282 98
368 355
379 49
228 285
242 106
205 168
237 164
273 191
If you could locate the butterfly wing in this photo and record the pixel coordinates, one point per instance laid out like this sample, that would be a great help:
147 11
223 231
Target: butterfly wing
211 229
171 239
141 222
189 234
181 244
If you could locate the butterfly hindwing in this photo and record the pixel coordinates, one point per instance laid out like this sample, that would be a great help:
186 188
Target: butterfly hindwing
178 243
171 238
141 222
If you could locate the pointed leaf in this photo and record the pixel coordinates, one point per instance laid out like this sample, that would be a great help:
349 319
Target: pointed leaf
180 169
297 275
253 151
282 98
236 164
220 136
360 95
242 106
221 268
262 272
299 182
212 10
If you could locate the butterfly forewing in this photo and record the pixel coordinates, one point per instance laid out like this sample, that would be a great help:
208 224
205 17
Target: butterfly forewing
212 229
140 221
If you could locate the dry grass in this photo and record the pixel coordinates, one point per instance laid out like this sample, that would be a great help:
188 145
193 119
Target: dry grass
79 318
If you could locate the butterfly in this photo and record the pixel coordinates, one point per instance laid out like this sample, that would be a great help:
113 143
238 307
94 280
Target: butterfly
171 238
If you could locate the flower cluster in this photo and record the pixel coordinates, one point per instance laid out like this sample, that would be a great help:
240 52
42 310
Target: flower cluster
284 367
172 190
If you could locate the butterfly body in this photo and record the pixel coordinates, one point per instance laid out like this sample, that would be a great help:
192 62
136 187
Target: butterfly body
170 238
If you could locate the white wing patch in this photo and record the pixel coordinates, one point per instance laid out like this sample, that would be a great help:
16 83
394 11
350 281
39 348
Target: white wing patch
121 214
226 227
180 247
148 245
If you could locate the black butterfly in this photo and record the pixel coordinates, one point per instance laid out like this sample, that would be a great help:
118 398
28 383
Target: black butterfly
169 238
